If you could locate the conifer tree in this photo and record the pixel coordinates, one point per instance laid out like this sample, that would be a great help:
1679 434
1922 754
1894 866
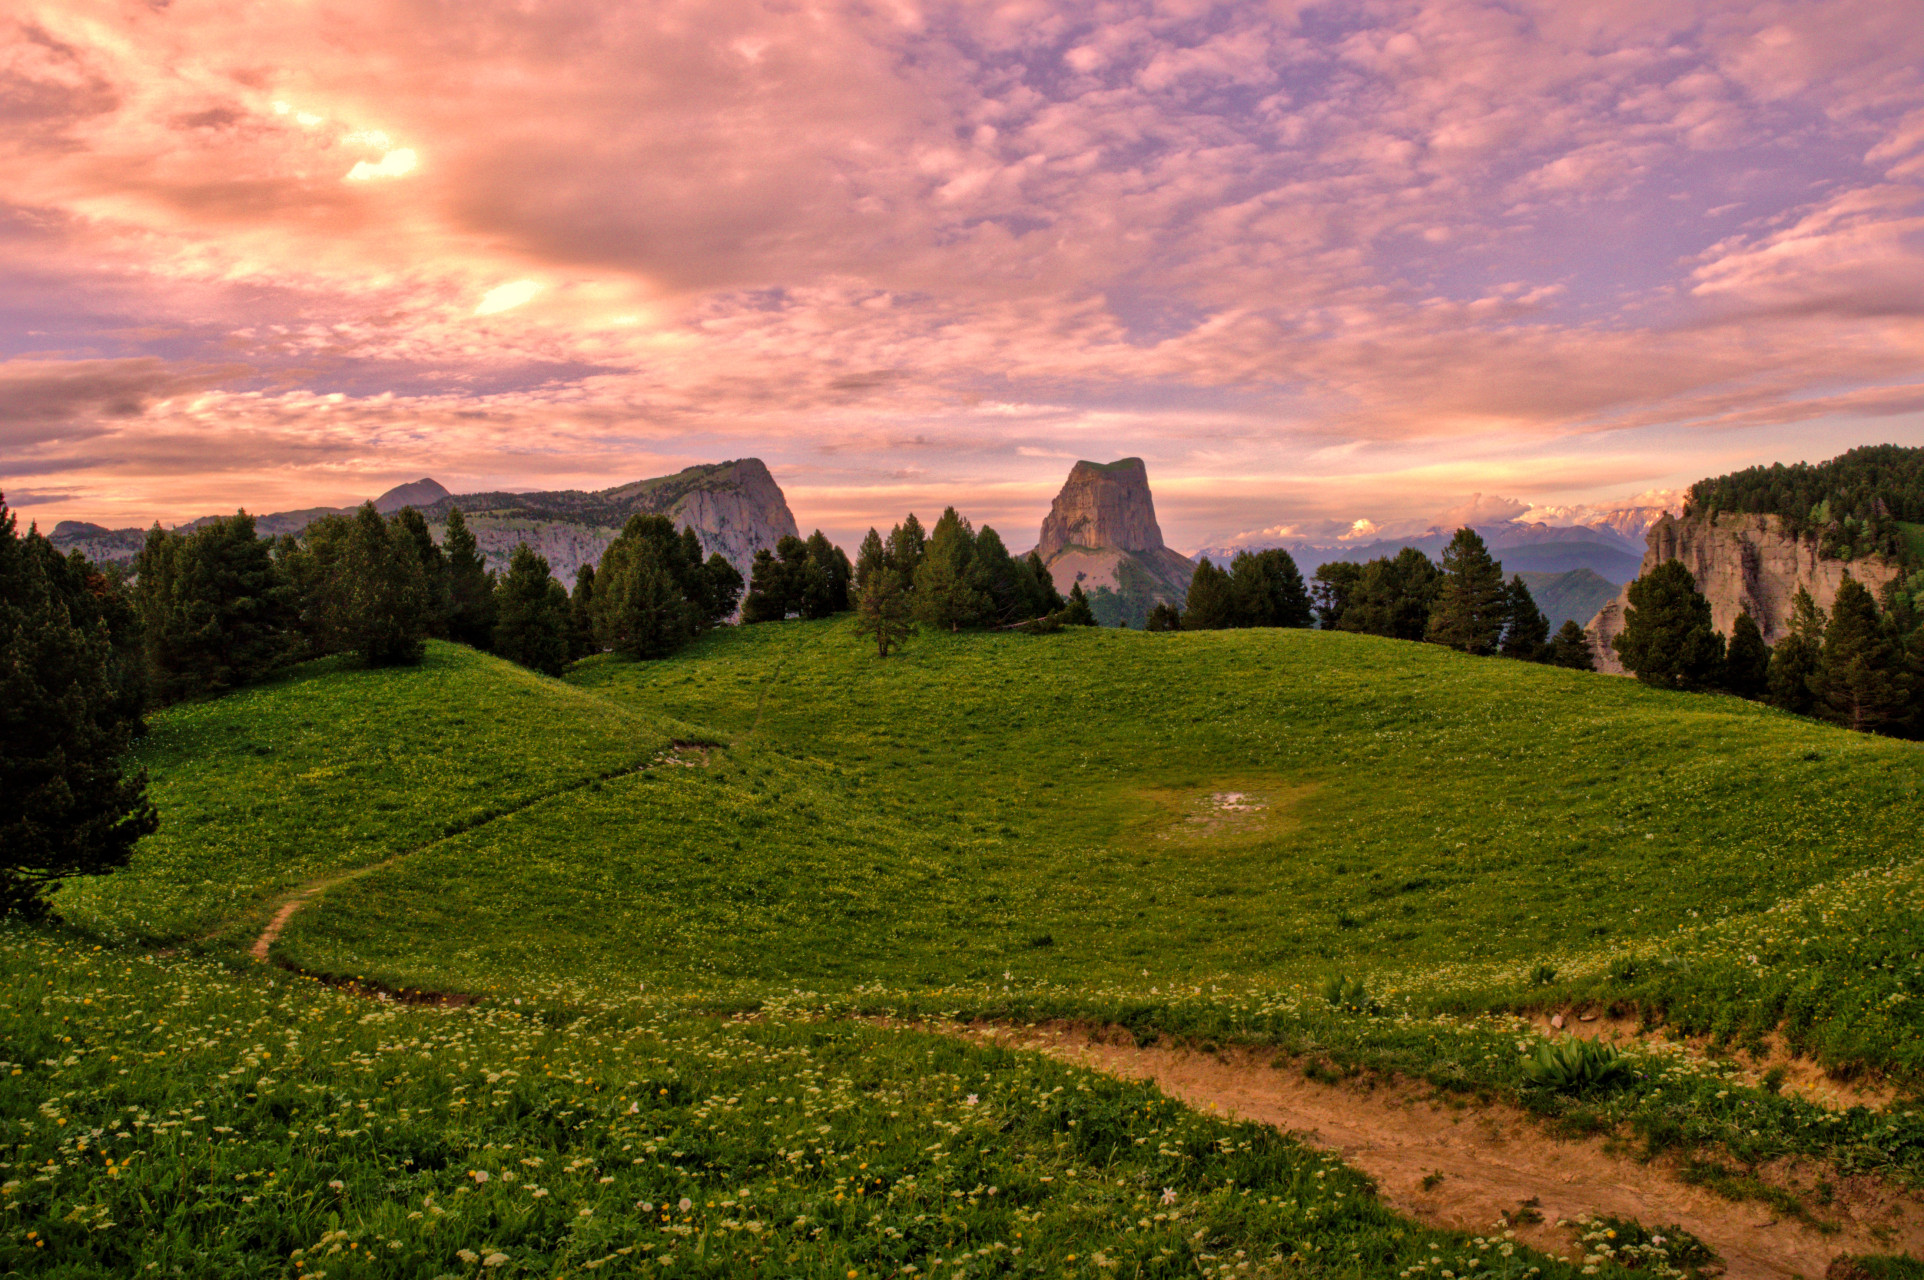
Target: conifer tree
1528 632
1861 681
1793 660
641 604
883 610
1471 603
906 546
215 609
436 592
67 807
1164 617
383 591
995 574
1668 638
1077 612
769 596
1392 596
721 590
946 597
1267 590
824 579
1747 659
1336 582
1211 605
1571 648
532 621
581 617
470 585
871 557
1047 599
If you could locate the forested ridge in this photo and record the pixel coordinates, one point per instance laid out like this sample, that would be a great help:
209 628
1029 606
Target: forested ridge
1854 504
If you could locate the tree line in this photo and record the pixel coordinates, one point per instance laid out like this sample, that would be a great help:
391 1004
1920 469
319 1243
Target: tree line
1860 665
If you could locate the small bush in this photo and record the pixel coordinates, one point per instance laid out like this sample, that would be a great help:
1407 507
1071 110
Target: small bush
1349 994
1574 1065
1623 969
1542 976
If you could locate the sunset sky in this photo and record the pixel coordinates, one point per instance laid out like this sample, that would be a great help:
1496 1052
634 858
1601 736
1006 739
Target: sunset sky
1314 263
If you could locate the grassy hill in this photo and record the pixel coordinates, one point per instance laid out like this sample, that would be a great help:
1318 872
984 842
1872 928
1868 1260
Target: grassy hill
1186 833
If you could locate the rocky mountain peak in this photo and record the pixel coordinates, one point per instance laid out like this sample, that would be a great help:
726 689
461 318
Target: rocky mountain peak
421 494
1103 505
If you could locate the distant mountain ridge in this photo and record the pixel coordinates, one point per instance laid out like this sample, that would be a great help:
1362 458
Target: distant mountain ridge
736 508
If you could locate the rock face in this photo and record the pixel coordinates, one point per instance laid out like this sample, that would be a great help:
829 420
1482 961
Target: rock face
422 493
1101 531
1740 562
736 508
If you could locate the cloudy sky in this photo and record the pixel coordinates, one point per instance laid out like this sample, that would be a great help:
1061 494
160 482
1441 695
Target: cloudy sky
1314 263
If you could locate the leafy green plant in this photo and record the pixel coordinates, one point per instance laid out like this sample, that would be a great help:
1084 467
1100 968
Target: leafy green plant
1575 1065
1664 1251
1349 994
1542 976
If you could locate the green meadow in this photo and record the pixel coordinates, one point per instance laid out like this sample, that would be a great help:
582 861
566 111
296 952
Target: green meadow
693 900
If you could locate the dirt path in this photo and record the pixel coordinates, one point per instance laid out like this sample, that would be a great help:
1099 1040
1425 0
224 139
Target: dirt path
685 755
1492 1159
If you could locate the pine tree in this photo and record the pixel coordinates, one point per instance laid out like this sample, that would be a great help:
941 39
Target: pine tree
1861 681
1047 599
1211 605
1164 617
1392 596
768 593
907 544
721 590
641 607
1077 612
1793 661
436 588
825 579
1571 648
385 592
1336 581
871 557
1471 604
1668 638
946 597
531 613
66 806
1527 634
884 610
1747 659
1267 590
470 585
215 608
581 614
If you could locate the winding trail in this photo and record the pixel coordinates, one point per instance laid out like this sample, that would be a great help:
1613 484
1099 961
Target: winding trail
685 755
1494 1160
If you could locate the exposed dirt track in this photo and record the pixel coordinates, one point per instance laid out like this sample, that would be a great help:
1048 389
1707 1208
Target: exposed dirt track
1493 1159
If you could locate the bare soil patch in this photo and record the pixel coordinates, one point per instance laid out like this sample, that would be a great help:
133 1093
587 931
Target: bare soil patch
1494 1161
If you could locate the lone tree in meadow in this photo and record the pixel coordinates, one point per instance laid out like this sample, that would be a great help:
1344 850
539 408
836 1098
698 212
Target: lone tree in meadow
470 585
1668 638
532 620
67 806
1570 647
1471 603
1793 661
1747 659
884 611
1527 633
1862 680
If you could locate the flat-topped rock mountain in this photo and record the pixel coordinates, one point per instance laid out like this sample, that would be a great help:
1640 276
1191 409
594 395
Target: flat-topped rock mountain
735 507
1101 531
1740 561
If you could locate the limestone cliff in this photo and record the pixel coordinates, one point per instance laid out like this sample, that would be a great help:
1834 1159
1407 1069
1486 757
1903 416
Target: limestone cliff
1101 531
736 508
1740 562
